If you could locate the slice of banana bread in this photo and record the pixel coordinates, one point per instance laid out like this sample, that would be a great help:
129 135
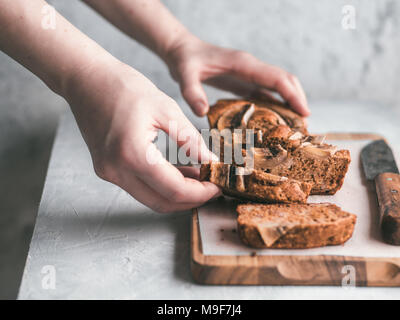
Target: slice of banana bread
321 165
254 185
294 226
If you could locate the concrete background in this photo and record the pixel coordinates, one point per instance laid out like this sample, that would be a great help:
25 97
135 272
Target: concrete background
305 37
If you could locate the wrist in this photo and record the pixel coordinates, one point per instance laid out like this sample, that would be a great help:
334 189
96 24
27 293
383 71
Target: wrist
81 76
102 80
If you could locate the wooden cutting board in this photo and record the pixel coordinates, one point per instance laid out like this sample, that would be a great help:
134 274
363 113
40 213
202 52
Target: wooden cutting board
291 269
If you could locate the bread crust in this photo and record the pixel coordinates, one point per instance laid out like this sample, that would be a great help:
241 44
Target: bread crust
293 120
220 107
299 233
256 185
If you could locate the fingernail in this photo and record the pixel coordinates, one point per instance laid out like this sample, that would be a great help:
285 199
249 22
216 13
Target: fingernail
217 195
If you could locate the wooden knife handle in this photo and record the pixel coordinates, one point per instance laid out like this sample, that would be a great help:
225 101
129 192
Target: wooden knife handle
388 192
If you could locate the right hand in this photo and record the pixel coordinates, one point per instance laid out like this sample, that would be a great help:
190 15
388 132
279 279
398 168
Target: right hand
119 113
192 62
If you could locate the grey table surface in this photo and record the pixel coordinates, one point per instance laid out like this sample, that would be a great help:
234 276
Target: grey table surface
96 242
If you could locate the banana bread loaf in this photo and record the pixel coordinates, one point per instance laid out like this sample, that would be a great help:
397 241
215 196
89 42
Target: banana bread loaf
282 144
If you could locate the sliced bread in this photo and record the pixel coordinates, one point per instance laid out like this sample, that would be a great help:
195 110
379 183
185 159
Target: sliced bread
294 226
282 145
254 185
321 165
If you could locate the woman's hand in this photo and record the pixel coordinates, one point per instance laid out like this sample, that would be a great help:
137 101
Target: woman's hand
192 61
119 113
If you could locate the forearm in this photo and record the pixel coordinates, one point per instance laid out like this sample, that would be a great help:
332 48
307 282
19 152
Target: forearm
54 55
147 21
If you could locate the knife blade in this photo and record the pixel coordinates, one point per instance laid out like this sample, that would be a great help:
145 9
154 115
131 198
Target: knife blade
380 166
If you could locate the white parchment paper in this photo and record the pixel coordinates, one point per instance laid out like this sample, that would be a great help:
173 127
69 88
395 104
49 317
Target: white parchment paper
217 219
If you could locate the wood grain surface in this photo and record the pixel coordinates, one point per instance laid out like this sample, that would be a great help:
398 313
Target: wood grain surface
388 192
292 270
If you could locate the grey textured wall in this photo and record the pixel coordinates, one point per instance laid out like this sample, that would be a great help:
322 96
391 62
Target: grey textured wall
305 37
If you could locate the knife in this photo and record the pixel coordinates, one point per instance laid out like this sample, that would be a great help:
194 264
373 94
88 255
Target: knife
380 166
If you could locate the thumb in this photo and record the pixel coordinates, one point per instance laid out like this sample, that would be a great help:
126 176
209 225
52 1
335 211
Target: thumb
187 137
194 94
192 145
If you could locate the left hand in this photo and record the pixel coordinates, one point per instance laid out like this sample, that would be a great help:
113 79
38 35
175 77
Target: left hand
194 61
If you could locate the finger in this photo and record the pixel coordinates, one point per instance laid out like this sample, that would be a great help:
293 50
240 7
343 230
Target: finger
242 88
194 173
193 92
271 77
150 197
292 92
265 94
190 172
301 90
181 130
169 182
232 84
148 163
228 82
